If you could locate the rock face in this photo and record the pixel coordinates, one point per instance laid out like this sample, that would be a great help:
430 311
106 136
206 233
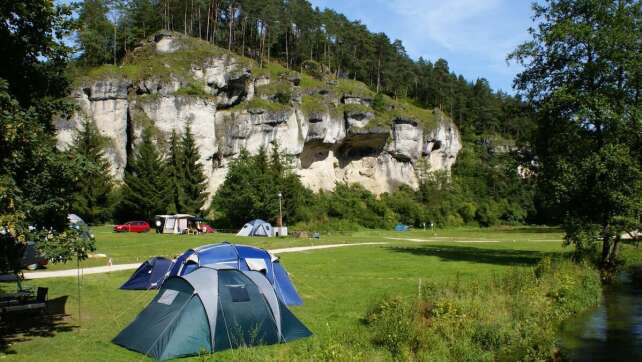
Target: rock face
330 144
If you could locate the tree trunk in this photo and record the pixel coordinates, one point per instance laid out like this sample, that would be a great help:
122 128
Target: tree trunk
243 43
262 48
609 253
287 58
378 72
115 43
230 23
207 28
215 23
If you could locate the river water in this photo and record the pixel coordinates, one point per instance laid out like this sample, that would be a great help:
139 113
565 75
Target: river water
611 332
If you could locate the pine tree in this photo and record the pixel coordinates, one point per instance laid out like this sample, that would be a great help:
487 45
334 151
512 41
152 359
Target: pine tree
145 189
194 182
91 200
175 176
95 32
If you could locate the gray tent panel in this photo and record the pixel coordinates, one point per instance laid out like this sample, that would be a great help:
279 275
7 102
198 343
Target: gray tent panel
268 292
204 281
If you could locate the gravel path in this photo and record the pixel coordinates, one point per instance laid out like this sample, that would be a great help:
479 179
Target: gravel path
119 267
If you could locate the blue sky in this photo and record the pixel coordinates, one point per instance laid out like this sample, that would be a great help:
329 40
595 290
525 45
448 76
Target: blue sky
474 36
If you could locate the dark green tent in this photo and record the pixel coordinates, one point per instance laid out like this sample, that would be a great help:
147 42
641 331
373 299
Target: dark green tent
211 310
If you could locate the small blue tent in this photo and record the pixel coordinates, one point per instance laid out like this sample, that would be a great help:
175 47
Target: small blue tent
241 257
401 227
211 310
149 275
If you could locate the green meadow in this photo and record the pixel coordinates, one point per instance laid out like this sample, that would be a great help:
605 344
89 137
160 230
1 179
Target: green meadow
340 288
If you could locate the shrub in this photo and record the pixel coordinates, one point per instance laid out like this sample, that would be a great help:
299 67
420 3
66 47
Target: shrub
313 68
514 316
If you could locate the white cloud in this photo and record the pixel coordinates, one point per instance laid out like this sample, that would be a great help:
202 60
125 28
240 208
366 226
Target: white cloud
486 28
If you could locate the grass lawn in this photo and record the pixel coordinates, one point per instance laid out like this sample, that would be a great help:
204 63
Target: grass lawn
125 248
337 285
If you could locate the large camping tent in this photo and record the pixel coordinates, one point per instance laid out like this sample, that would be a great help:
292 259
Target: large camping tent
150 274
242 257
174 224
256 227
211 310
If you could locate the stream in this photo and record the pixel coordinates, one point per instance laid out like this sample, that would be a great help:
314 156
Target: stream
610 332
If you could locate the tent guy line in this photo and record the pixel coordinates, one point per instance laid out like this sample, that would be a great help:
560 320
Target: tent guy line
120 267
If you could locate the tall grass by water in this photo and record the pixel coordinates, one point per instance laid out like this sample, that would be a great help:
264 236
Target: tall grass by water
511 316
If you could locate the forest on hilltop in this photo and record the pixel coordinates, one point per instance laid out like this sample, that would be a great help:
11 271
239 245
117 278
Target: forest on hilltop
301 37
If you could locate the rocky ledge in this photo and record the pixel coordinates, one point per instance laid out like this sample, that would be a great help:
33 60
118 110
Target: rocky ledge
329 126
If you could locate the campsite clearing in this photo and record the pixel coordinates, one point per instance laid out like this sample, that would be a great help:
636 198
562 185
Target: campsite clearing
337 285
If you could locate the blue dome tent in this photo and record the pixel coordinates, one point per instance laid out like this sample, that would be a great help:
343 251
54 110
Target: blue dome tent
211 310
149 275
241 257
256 227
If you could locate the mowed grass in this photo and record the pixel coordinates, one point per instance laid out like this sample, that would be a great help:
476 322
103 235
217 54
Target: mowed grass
124 248
337 285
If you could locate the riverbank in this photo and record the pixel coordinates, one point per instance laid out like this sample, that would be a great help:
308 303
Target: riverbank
613 330
510 316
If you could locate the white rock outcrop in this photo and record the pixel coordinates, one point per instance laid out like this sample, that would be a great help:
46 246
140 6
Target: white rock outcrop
327 147
105 103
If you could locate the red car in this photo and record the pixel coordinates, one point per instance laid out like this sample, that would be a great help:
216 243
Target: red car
132 227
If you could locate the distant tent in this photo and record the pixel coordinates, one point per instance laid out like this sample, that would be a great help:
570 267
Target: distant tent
256 227
242 257
150 274
211 310
401 227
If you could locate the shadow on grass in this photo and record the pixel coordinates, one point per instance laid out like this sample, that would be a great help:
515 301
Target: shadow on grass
475 255
22 326
530 230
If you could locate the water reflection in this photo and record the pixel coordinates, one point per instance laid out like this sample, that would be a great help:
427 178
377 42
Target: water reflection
612 332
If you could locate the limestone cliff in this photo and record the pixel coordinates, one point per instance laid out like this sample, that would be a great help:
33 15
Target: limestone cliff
330 126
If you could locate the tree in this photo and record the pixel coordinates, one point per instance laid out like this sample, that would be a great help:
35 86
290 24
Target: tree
583 74
144 194
95 33
175 176
36 180
91 199
194 182
251 189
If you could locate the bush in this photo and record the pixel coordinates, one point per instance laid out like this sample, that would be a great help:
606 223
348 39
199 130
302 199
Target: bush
313 68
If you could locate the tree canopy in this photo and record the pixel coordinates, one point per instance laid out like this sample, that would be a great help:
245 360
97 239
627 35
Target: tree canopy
583 74
36 180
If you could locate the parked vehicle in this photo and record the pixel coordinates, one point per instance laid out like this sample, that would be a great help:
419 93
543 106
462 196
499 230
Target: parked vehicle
31 258
132 227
